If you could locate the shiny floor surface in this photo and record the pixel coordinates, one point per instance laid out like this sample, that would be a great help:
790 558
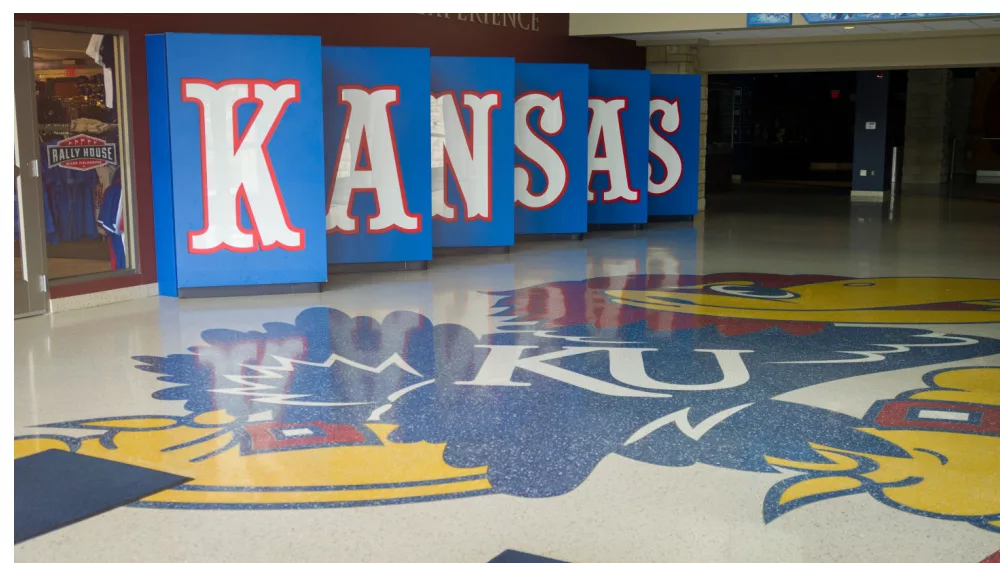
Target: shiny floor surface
793 377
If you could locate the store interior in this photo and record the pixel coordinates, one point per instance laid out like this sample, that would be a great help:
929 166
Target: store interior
82 197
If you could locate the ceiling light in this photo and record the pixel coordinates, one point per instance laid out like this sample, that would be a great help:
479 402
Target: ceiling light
848 27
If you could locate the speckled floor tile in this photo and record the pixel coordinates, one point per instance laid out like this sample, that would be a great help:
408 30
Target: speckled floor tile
750 387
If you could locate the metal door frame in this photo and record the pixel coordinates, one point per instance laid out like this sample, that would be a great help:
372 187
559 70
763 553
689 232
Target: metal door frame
31 295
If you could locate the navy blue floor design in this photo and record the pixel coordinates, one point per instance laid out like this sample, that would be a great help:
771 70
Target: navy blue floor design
512 556
54 489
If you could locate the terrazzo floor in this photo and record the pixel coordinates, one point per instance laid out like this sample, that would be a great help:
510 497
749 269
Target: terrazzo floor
807 379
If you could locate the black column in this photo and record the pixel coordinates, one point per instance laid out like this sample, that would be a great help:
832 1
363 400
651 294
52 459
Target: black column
871 116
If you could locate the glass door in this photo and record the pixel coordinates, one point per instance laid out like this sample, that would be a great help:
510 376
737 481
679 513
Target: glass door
30 291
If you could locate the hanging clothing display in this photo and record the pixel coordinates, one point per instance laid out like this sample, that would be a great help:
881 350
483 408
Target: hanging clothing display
89 126
106 173
112 219
102 49
70 199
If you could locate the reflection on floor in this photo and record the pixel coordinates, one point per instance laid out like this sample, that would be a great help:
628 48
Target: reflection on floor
990 192
782 380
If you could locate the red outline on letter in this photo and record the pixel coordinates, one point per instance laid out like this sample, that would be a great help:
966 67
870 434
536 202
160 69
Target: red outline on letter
628 176
363 145
541 135
237 142
656 132
469 132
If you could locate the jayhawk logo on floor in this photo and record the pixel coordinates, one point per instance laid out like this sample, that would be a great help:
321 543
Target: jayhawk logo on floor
335 410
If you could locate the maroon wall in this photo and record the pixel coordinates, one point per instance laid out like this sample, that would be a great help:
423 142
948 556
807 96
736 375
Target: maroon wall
456 35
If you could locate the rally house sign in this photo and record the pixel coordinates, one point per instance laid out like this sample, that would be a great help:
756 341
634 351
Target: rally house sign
82 152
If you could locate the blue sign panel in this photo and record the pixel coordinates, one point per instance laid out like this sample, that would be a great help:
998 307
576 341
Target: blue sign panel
618 146
674 141
768 20
550 144
239 156
840 18
376 121
472 151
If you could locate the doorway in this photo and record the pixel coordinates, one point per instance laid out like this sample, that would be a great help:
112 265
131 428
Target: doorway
74 215
30 284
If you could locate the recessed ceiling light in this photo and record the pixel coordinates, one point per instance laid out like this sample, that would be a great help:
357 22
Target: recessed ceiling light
848 27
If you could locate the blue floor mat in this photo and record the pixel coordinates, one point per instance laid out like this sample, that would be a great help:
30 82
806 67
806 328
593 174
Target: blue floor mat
512 556
54 489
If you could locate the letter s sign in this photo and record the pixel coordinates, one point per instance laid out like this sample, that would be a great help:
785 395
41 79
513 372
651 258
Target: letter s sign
550 142
674 144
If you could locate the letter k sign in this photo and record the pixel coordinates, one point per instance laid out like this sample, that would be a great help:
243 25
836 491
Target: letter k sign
237 167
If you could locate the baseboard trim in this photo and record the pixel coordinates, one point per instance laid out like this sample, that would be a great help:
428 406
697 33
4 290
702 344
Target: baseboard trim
867 195
548 237
373 267
249 290
443 251
108 297
593 227
670 218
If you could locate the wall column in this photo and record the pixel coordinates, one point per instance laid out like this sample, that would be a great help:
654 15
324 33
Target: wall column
926 149
871 121
683 59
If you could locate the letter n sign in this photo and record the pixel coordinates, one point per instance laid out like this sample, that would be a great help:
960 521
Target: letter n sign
237 157
472 151
376 121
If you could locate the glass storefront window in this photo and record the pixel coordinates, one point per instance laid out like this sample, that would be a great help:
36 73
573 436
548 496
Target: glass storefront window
79 98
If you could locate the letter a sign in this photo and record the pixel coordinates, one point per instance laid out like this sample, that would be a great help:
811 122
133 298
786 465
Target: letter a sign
472 151
237 160
618 146
376 122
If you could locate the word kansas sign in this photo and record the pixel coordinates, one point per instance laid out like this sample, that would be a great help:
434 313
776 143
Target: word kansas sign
274 157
